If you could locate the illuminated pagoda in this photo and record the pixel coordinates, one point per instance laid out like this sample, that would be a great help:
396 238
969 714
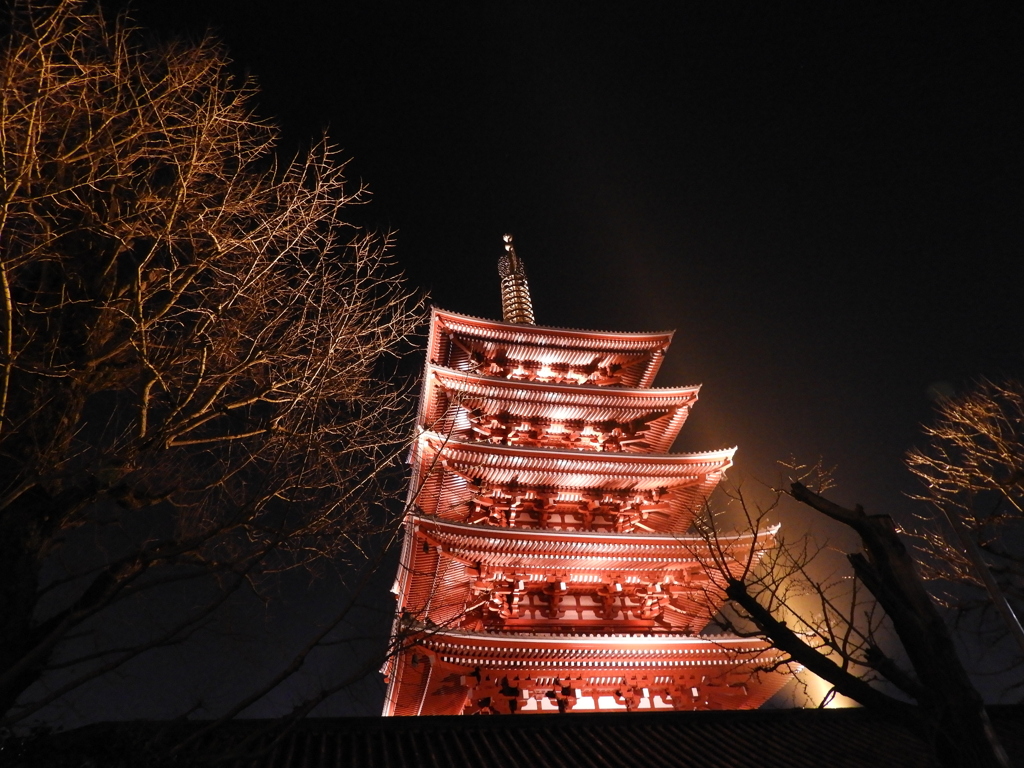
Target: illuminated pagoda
545 565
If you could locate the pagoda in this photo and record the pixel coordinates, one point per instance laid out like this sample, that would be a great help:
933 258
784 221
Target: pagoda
545 565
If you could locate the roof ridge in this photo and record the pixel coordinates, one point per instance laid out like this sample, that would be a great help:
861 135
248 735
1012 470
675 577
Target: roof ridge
522 326
575 453
584 387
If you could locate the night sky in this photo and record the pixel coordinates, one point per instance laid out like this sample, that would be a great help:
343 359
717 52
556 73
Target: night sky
826 204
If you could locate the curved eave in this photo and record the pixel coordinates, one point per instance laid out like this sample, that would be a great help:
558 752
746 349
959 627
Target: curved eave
569 395
571 468
723 667
666 649
579 556
558 402
592 549
539 335
641 352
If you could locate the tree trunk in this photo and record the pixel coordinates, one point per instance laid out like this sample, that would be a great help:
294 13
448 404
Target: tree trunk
961 732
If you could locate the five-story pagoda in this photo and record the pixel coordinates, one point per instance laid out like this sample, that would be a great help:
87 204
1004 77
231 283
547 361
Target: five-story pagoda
545 565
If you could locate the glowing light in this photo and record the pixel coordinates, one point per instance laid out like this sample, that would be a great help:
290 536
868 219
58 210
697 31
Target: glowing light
584 702
609 702
813 691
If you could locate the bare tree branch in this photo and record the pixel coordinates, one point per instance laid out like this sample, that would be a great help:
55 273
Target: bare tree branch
972 470
197 346
830 628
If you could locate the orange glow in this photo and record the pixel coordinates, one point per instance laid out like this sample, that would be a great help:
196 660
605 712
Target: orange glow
811 691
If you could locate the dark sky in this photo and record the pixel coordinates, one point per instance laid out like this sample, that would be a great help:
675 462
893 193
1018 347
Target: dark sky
826 204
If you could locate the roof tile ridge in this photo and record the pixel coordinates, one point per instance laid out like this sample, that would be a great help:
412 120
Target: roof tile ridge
487 529
522 327
654 389
588 387
577 452
653 636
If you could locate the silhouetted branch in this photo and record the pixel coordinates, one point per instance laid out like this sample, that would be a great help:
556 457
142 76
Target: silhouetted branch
197 346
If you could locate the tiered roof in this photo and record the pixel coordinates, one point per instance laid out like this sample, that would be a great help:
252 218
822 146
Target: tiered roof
664 490
506 411
504 673
459 572
530 352
545 566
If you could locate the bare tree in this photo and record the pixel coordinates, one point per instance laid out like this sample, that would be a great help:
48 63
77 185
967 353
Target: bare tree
843 625
193 345
972 469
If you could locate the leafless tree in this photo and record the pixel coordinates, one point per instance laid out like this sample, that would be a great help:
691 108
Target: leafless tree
194 345
870 630
972 469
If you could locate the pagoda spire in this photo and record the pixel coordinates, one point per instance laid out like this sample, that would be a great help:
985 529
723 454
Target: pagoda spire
516 306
